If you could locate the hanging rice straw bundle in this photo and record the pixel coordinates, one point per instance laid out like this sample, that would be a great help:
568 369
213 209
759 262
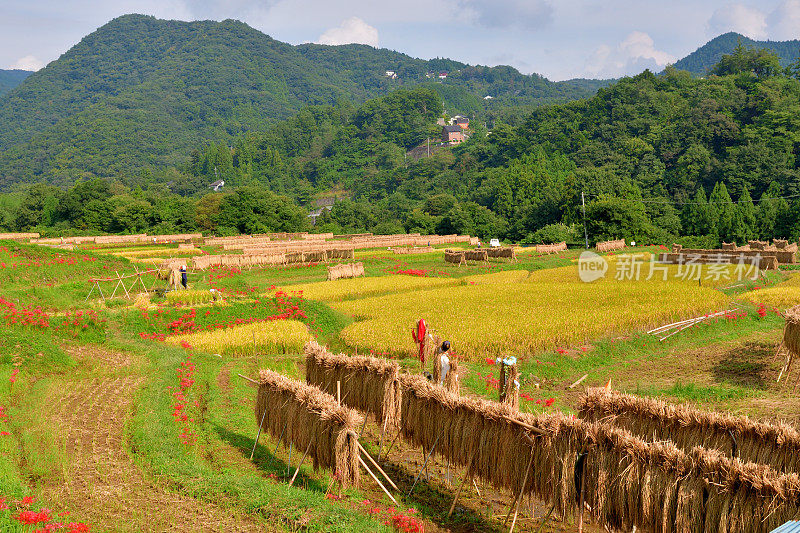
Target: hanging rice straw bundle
773 444
369 384
451 381
511 396
478 433
312 420
791 339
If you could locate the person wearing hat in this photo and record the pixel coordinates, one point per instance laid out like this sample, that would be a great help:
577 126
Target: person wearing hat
444 361
184 277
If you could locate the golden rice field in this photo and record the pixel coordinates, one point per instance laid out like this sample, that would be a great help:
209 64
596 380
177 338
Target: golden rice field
513 312
189 297
782 296
250 339
341 289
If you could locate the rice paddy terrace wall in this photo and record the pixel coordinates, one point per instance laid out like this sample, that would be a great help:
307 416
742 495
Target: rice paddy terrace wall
311 420
776 445
369 384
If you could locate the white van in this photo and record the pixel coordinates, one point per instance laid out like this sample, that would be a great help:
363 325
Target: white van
494 243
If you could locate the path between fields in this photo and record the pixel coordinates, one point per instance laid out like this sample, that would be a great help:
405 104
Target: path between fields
103 486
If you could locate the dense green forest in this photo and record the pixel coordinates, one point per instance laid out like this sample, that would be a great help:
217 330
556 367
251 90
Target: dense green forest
657 158
11 78
702 60
142 93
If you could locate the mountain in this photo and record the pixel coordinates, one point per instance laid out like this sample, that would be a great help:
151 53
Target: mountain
141 92
11 78
708 55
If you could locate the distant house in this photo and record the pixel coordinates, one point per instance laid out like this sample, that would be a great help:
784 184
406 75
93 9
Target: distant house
391 74
463 122
452 134
216 185
487 97
430 74
443 75
440 121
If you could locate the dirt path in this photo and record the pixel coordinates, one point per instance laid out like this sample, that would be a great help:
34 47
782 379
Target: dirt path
102 485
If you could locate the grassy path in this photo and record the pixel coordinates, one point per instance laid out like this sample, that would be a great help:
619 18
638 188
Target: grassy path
102 484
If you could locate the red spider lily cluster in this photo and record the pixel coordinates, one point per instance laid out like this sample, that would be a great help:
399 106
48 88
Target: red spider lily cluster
762 310
287 307
491 381
42 519
181 398
547 403
36 317
419 272
3 420
57 259
399 520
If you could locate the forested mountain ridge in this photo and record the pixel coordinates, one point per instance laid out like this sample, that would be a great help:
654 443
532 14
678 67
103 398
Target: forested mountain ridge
701 60
141 92
11 78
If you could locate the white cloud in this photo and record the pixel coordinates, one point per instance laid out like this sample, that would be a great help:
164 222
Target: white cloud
784 21
352 30
28 63
634 54
748 21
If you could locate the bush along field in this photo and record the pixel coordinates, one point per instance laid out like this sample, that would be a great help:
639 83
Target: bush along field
128 414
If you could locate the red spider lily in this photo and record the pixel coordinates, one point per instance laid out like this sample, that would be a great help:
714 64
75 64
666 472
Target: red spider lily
33 517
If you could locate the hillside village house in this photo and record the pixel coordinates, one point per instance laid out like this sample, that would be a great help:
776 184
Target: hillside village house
452 134
461 121
216 185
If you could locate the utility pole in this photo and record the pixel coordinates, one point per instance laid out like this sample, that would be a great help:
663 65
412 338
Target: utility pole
583 208
429 146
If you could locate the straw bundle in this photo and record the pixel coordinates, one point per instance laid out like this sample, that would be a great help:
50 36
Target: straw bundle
500 252
607 246
349 270
313 421
476 255
511 393
551 248
776 445
453 256
18 236
452 384
791 339
729 246
757 245
368 384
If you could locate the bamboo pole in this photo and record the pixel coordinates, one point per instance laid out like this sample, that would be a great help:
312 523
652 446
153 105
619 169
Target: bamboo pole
467 475
546 518
521 490
392 444
424 465
375 464
296 470
376 479
258 434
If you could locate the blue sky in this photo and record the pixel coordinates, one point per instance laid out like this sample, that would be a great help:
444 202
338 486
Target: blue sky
560 39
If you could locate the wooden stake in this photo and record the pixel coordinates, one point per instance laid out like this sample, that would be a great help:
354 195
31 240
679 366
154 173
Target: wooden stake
339 392
467 475
521 490
376 479
371 460
583 497
425 464
258 434
299 465
280 438
579 381
248 379
392 444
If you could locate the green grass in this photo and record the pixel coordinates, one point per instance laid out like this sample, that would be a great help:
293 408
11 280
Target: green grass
206 470
689 392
